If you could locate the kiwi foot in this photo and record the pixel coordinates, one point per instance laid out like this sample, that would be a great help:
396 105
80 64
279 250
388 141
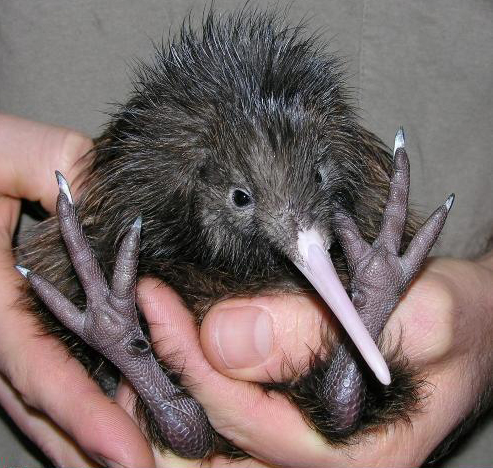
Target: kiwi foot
110 325
379 277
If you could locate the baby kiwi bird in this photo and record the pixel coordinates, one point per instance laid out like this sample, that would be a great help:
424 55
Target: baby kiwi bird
237 167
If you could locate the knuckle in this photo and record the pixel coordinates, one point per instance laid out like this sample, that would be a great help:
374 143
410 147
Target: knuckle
440 292
73 146
65 152
23 380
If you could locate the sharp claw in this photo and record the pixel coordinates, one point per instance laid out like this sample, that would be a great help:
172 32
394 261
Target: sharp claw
63 186
400 139
23 271
449 202
137 225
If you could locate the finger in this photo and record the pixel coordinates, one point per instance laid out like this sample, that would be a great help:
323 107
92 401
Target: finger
265 425
83 259
425 238
9 217
349 236
31 152
395 213
242 412
264 339
124 274
42 431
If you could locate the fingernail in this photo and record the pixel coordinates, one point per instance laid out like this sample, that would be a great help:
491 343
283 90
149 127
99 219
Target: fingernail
243 336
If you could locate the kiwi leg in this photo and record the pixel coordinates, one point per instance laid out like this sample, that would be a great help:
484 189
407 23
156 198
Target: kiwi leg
379 277
110 325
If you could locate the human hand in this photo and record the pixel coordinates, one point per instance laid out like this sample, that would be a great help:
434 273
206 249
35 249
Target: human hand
446 322
79 426
265 426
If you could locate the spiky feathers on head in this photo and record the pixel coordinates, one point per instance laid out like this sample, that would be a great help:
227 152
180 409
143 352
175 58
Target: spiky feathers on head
249 103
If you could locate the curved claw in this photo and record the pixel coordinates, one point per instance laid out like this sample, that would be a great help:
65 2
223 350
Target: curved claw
399 140
64 187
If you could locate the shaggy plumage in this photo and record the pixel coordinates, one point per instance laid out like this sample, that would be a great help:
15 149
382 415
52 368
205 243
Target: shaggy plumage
245 102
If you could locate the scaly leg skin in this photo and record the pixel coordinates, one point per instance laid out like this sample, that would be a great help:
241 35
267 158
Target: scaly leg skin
110 325
379 277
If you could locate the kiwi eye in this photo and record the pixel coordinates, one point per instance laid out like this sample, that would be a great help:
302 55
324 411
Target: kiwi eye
318 177
241 199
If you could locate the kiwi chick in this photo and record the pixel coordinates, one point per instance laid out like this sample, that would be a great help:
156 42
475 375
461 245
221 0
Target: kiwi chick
238 144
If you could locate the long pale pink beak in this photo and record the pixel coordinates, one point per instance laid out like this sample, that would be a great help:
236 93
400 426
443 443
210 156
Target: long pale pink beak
316 265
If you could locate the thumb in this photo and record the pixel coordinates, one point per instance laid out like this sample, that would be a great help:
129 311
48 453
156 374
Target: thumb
264 339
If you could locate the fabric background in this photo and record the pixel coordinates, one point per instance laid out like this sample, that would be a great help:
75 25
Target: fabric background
425 65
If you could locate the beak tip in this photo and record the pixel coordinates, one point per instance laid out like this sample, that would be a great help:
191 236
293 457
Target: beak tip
383 375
